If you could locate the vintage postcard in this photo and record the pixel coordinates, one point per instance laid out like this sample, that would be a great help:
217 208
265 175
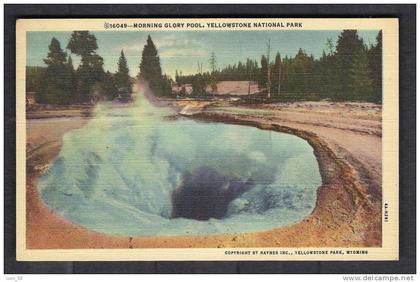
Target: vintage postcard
207 139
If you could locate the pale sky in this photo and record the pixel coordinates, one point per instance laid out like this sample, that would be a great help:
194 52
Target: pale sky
183 50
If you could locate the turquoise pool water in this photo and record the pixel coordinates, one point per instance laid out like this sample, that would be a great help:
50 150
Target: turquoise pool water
131 171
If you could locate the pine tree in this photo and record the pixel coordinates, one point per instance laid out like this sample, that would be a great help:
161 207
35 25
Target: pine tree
109 86
268 70
375 61
56 56
264 71
122 77
34 79
361 87
90 70
212 62
348 47
53 89
82 43
341 74
89 73
326 77
198 85
150 68
276 76
177 77
70 63
285 72
330 46
70 82
213 78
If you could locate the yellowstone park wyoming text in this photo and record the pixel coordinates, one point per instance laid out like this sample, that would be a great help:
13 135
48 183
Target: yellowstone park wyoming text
207 139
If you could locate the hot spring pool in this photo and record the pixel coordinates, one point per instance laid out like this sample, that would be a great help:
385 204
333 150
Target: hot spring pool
131 172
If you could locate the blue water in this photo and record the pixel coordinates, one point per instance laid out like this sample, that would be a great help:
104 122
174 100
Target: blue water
117 174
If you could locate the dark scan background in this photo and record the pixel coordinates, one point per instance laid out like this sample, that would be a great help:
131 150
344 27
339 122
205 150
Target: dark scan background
407 22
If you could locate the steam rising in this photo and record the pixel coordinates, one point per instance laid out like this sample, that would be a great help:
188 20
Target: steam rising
130 171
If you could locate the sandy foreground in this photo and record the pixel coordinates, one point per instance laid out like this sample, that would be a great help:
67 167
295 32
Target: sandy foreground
347 142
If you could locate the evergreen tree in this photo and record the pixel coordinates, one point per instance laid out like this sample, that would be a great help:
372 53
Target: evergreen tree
122 78
213 76
330 46
297 76
167 85
349 45
240 71
326 76
341 74
34 79
82 43
56 56
276 76
212 62
199 86
108 87
54 88
70 63
285 72
150 69
71 81
361 88
176 76
264 71
375 61
90 70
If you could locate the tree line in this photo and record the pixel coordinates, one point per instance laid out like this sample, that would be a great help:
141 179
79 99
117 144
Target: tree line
238 72
60 83
348 70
